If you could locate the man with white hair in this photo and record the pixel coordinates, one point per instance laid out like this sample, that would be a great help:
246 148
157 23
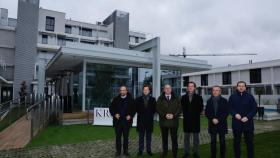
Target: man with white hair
169 109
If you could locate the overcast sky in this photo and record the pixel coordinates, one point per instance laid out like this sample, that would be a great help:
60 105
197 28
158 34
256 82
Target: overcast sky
202 26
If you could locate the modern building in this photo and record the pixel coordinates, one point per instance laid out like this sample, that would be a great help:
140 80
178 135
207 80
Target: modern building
84 63
261 78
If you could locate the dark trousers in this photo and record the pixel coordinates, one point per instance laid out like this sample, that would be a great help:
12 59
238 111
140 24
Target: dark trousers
222 144
122 131
174 139
187 141
248 135
142 135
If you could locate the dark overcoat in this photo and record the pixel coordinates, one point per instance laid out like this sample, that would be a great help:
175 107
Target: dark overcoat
145 115
191 113
221 115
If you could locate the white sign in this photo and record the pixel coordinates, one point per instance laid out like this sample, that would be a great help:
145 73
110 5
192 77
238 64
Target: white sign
103 117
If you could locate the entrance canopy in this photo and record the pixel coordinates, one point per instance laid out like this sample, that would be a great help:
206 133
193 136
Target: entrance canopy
92 71
68 58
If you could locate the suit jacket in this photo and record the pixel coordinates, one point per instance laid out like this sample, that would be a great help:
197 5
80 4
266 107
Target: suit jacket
245 105
191 113
115 107
164 107
221 115
145 115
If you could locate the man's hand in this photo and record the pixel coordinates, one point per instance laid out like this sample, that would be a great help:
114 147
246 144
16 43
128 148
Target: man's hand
169 116
215 121
128 117
117 116
238 116
244 119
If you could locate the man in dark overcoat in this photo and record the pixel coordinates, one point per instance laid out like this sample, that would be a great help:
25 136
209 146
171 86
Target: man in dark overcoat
192 105
145 109
122 110
217 110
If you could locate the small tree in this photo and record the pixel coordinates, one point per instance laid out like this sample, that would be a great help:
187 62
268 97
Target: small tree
259 91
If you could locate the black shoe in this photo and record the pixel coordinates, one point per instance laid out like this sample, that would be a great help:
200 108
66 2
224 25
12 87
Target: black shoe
175 155
196 155
126 153
164 154
118 154
186 156
149 153
140 153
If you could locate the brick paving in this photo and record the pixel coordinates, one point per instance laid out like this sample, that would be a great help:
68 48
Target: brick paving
15 136
101 148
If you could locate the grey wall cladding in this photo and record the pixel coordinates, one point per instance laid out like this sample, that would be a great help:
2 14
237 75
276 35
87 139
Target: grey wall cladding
25 43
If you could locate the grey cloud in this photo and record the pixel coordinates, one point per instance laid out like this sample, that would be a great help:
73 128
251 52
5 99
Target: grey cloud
202 26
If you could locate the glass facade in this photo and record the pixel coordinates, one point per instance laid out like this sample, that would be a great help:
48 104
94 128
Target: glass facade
78 91
103 82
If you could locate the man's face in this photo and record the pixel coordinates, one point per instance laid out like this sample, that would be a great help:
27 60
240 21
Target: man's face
191 88
167 89
146 91
241 87
216 91
123 91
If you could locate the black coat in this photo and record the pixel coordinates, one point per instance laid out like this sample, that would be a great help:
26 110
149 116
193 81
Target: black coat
191 113
222 114
115 109
145 115
245 105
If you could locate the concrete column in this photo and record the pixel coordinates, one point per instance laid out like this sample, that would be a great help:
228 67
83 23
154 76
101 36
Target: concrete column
156 68
272 80
41 77
84 86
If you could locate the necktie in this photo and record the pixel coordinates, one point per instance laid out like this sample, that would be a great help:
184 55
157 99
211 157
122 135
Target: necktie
168 97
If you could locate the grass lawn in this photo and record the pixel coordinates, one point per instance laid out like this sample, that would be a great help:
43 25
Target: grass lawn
267 145
54 135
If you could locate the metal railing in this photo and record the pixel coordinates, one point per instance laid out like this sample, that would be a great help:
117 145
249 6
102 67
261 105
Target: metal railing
12 110
44 112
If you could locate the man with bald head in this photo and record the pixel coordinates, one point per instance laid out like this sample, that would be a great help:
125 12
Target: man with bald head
217 110
122 110
169 109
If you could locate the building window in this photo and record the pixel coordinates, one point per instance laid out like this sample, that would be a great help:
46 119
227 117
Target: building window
88 42
263 90
204 80
50 22
224 91
226 78
268 90
136 39
255 76
106 44
207 91
68 29
277 88
44 39
61 41
186 80
85 32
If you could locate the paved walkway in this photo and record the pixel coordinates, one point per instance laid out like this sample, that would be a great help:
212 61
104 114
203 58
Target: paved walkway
100 148
15 136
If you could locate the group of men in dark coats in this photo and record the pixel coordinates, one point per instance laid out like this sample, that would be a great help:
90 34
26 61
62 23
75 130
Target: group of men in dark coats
241 105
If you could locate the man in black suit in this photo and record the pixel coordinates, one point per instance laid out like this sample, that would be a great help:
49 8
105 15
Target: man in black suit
217 110
192 105
122 110
243 108
145 108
